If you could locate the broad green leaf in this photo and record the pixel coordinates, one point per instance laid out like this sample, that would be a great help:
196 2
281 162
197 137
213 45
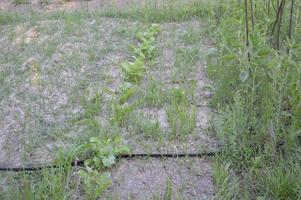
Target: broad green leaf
108 161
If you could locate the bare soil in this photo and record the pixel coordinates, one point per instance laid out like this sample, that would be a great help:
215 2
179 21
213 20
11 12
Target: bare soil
149 179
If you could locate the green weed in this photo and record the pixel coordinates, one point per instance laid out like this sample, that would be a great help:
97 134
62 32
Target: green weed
45 2
126 91
181 116
94 183
120 113
171 10
225 180
280 181
133 70
146 48
92 107
101 154
181 119
153 94
47 183
185 64
191 36
168 194
256 91
17 2
148 127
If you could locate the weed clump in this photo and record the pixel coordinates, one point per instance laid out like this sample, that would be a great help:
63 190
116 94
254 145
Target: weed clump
181 115
257 82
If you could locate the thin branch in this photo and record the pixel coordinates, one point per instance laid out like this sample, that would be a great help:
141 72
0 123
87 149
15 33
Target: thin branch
291 20
280 23
277 17
247 28
269 5
252 14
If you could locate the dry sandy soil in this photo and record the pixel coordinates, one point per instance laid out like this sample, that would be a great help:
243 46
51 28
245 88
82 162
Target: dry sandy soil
181 178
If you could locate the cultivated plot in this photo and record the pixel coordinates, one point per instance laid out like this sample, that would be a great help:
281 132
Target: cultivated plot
62 83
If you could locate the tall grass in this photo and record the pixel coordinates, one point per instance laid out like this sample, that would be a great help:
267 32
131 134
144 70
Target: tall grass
168 10
257 77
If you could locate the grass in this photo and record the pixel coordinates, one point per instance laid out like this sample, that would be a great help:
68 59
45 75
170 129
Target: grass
225 180
153 95
181 115
256 120
121 113
45 183
191 36
185 64
16 2
150 128
170 10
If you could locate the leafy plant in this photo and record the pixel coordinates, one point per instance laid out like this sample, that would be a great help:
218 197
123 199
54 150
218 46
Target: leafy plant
133 70
146 48
94 183
120 113
101 153
150 33
126 91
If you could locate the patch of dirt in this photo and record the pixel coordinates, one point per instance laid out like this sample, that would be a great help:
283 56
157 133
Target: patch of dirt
155 114
141 179
11 148
27 37
203 117
199 141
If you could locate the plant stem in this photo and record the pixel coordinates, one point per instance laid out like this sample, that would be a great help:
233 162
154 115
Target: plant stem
291 20
252 14
247 28
279 24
